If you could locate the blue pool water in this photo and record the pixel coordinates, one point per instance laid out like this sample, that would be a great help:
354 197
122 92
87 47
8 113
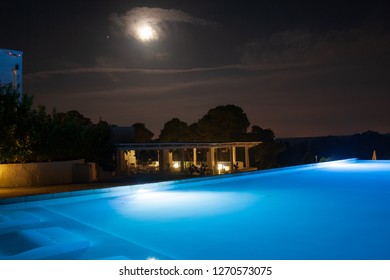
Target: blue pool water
338 210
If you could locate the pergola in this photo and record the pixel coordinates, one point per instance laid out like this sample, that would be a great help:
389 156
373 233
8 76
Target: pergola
165 152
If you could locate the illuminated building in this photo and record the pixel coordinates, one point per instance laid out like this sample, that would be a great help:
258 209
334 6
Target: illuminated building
11 68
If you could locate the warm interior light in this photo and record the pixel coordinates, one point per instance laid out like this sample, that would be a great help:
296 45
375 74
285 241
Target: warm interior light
223 167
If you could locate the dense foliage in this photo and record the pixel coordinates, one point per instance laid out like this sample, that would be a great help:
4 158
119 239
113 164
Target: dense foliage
264 156
176 130
141 133
16 119
220 124
224 123
32 135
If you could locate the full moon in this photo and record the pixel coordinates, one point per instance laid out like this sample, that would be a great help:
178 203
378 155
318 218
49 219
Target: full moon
146 33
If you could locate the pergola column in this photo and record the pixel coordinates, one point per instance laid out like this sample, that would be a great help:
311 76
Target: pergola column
163 160
194 155
121 164
182 160
170 158
233 158
246 156
211 159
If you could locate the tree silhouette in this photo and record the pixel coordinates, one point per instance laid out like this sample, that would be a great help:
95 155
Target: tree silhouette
264 156
223 123
175 130
141 133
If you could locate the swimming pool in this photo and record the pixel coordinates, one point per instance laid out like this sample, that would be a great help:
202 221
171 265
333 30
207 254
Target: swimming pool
337 210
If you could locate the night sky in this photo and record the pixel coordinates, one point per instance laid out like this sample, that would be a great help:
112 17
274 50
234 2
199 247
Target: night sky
301 68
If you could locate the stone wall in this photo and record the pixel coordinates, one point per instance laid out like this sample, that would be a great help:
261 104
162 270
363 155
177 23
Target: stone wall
42 173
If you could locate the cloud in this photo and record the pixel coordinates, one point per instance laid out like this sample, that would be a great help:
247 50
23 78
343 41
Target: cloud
318 48
116 70
132 20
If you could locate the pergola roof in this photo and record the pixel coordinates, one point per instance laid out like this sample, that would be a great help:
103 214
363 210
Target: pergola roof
182 145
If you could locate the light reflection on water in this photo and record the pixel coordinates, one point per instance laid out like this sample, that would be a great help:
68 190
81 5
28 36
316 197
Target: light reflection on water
176 204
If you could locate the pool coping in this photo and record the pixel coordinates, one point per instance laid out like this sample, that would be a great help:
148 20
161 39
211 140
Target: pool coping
81 195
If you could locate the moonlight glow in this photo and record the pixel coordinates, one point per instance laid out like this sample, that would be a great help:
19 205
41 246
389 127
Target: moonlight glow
146 33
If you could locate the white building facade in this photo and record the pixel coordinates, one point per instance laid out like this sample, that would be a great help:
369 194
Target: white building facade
11 68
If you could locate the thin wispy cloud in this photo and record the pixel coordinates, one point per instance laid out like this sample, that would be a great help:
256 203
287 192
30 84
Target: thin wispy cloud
303 46
108 70
132 20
